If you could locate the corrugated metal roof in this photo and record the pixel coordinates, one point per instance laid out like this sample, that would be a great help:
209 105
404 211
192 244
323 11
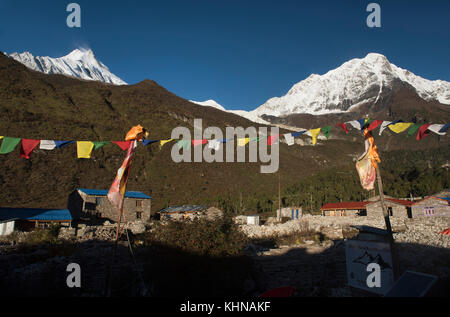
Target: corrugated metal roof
35 214
346 205
189 208
104 192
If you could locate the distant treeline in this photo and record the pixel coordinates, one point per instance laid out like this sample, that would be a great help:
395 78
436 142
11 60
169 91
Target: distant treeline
404 174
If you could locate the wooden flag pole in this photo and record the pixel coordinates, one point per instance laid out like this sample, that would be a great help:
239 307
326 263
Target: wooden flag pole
395 268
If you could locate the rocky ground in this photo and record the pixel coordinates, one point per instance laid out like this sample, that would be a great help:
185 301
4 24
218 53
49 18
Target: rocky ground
313 266
318 268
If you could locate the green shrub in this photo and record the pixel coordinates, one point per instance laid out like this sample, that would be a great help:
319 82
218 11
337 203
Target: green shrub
218 238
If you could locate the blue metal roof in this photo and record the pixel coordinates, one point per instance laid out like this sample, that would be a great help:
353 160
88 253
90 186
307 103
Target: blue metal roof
104 192
35 214
183 208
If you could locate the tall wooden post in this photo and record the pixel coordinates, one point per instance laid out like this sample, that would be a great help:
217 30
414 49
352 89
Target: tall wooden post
279 197
394 254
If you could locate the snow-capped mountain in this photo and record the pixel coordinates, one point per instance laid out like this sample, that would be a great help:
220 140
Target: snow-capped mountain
355 82
249 115
209 103
79 63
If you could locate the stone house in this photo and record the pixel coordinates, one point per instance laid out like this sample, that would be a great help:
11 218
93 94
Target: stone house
431 206
93 205
26 219
397 208
351 208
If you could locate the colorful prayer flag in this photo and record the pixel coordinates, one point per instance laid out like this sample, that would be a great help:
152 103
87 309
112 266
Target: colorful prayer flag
374 124
289 139
117 191
124 145
314 134
271 139
243 141
444 128
147 142
343 126
413 129
199 142
299 133
9 144
214 144
47 145
422 132
399 127
184 144
436 128
27 147
162 142
326 131
99 144
61 144
84 149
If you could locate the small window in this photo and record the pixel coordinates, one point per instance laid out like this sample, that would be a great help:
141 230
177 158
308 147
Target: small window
138 203
90 206
98 201
138 215
428 211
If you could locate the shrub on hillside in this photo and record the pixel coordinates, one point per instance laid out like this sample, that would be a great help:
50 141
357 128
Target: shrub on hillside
218 238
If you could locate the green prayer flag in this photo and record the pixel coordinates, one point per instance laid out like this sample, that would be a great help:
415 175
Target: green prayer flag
326 130
9 144
186 144
413 129
98 144
255 139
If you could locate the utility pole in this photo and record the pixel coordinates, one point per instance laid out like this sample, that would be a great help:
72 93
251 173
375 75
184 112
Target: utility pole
279 197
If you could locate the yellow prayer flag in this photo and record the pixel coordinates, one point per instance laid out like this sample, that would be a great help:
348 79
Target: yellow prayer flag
314 135
84 149
162 142
243 142
399 127
1 137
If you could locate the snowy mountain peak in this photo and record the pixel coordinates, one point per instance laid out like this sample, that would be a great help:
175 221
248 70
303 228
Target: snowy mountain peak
210 103
80 63
357 81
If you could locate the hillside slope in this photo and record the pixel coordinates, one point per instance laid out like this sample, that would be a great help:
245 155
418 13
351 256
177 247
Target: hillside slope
40 106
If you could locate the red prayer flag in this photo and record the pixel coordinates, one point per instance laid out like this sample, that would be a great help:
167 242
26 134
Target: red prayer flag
374 124
272 139
422 132
124 145
199 142
28 147
343 126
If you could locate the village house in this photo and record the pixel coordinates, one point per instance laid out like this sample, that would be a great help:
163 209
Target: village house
351 208
398 208
291 212
93 205
432 206
26 219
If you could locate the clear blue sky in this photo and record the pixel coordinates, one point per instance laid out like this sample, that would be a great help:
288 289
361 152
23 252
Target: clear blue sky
238 52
